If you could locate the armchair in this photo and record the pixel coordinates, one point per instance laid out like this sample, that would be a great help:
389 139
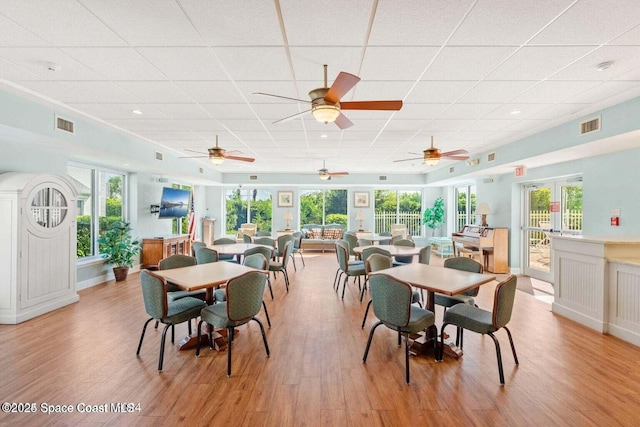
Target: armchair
247 229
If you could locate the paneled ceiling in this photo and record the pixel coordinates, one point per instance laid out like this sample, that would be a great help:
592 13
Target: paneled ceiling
474 74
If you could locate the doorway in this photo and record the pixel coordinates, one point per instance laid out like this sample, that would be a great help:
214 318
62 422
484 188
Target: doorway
550 207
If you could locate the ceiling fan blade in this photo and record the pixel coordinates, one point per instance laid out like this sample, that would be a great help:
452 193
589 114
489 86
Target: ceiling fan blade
455 153
242 159
194 157
338 174
286 119
371 105
406 160
343 122
343 84
282 97
454 157
194 151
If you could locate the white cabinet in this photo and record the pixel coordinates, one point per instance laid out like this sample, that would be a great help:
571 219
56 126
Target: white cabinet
37 245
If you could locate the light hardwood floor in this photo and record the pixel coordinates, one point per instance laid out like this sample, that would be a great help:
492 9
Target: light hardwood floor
85 353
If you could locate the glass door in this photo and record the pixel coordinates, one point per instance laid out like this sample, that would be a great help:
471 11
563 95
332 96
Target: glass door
550 207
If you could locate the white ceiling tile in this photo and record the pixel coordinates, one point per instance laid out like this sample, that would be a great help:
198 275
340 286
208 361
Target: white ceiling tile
130 64
38 59
624 58
117 111
468 111
552 92
184 63
85 92
308 64
214 92
155 92
419 111
438 92
170 135
505 111
183 111
591 22
401 63
12 34
466 63
13 72
631 37
559 110
228 111
251 63
603 91
489 125
144 124
496 91
443 125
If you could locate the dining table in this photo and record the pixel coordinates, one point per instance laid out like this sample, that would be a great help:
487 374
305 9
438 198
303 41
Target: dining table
204 276
236 249
432 279
392 249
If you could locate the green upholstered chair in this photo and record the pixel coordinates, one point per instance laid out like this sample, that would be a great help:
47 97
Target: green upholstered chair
174 291
424 257
247 239
392 305
276 266
259 261
267 253
207 255
351 262
226 241
385 241
297 248
244 300
364 256
265 240
486 322
195 246
170 313
365 242
404 259
352 240
263 234
347 269
280 242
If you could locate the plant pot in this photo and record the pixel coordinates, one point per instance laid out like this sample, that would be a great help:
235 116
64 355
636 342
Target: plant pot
120 273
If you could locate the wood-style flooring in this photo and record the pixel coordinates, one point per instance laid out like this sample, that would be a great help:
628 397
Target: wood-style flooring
85 353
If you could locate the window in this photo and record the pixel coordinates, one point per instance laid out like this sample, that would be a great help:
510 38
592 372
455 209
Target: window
101 202
323 207
398 207
248 205
465 210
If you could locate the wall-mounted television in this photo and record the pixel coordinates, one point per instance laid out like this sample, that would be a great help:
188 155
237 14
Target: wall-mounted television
174 203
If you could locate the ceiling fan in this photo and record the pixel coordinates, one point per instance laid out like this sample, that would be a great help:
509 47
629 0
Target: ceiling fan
325 101
326 175
432 155
217 155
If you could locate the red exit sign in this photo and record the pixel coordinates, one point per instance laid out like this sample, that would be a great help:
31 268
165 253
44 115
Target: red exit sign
555 207
521 171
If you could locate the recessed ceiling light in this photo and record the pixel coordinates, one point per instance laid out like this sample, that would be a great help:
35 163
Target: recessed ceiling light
137 112
514 112
604 65
125 164
324 135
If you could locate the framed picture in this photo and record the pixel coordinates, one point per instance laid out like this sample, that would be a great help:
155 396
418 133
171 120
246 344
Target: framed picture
361 199
285 199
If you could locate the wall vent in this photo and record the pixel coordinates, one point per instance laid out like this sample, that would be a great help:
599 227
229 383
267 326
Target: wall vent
452 169
592 125
253 177
65 125
491 157
382 177
159 156
201 170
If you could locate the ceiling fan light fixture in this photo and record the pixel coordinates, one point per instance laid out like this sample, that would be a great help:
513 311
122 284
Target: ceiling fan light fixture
325 176
216 160
325 113
431 162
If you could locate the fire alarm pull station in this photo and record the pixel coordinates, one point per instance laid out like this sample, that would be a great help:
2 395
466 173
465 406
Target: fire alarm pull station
615 221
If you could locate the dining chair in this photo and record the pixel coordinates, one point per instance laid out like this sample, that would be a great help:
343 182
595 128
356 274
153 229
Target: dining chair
351 262
276 266
385 241
424 256
352 240
365 242
160 308
366 253
226 241
244 300
206 255
195 246
392 305
297 248
260 262
174 291
265 240
280 242
348 270
263 234
400 260
486 322
267 253
247 239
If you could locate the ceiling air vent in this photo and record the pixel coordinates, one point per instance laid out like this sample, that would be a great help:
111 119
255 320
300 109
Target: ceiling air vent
452 169
201 170
589 126
253 177
159 156
382 177
491 157
65 125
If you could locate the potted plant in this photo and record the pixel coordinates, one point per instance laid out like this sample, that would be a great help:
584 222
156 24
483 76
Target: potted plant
434 217
117 247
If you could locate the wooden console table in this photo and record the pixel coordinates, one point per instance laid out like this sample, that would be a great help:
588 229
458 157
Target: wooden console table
156 248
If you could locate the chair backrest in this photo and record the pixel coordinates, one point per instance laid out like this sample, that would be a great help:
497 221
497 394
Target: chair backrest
377 262
195 246
249 228
264 240
365 242
246 238
342 252
154 294
286 253
263 234
398 230
206 255
465 264
425 255
176 261
282 240
265 251
405 242
224 241
391 299
352 240
297 239
256 260
374 250
244 295
503 299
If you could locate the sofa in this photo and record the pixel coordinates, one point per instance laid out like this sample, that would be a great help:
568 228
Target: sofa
320 237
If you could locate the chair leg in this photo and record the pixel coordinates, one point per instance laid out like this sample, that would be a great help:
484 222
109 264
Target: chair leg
293 259
264 336
499 357
198 346
366 350
364 288
164 336
266 313
335 278
144 328
302 258
286 279
440 351
189 323
157 323
344 285
406 357
366 312
173 334
513 348
270 289
230 336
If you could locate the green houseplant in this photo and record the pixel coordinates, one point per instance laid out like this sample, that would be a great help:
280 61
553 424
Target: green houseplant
434 217
117 247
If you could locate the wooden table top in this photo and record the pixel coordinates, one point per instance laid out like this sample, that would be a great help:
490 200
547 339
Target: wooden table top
235 248
446 281
202 276
392 249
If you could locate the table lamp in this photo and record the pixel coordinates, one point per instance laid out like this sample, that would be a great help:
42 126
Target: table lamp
360 217
287 217
483 209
